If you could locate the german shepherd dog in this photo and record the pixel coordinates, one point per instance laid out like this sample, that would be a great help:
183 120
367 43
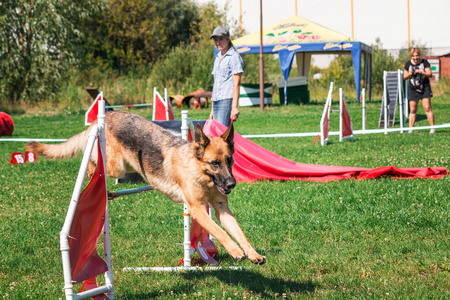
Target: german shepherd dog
195 173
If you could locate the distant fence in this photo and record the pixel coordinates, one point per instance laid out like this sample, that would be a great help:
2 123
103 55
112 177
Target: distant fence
432 51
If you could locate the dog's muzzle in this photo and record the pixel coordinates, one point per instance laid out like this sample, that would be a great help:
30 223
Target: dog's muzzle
226 185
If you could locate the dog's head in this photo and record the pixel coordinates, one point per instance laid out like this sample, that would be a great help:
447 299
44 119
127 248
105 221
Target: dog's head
216 156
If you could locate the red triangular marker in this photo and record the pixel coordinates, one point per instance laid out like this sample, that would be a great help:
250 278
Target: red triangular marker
30 157
16 158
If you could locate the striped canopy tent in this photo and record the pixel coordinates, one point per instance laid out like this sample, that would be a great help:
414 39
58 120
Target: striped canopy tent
302 38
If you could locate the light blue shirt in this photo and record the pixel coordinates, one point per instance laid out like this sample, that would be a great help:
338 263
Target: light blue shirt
223 71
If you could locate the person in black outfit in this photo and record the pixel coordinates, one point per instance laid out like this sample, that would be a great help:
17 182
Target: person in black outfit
418 73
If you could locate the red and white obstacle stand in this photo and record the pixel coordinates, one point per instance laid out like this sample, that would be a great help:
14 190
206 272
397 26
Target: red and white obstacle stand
85 222
345 122
162 108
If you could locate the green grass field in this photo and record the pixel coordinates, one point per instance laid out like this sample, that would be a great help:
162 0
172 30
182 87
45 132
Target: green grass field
372 239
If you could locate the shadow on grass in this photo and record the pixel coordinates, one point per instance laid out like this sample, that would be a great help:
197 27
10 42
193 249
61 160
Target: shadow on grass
253 282
257 283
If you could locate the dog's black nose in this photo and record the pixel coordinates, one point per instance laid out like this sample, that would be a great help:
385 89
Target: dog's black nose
231 183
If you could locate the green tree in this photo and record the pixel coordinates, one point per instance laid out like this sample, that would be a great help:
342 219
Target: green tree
135 33
340 72
381 61
187 67
39 41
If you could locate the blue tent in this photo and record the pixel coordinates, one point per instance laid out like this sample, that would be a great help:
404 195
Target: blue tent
300 37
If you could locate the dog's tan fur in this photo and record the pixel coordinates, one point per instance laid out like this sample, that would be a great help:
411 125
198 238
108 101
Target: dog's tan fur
195 173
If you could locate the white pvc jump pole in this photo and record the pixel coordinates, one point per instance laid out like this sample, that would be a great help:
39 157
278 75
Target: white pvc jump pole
364 115
154 106
367 131
64 234
385 107
400 98
341 96
166 105
406 99
106 236
325 114
187 223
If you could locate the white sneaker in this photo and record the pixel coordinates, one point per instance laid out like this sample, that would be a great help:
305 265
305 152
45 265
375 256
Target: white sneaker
432 130
410 131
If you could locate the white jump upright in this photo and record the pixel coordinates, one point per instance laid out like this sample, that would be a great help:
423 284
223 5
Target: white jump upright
187 219
401 99
325 120
364 114
385 103
65 231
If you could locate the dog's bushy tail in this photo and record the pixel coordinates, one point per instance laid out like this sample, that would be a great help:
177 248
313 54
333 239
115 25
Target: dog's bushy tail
68 149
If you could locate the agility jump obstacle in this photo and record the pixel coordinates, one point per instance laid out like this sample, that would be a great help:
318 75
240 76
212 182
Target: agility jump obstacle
324 132
162 108
345 122
393 92
72 234
78 239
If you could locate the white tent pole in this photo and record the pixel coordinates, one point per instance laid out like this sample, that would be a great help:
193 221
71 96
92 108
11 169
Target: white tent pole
285 92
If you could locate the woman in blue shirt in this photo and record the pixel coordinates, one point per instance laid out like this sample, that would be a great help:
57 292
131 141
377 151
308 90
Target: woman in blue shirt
227 71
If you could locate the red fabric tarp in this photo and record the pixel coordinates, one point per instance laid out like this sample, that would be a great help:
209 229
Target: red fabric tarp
87 226
253 162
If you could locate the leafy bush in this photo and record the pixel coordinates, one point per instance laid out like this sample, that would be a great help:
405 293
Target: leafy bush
37 45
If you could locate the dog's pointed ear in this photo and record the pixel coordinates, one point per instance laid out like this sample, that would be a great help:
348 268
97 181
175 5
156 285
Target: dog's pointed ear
228 135
201 141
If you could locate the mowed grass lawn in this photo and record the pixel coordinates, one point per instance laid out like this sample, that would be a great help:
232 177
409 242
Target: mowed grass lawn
373 239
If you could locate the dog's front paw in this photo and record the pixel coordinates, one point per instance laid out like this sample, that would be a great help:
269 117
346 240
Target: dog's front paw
238 255
257 259
239 258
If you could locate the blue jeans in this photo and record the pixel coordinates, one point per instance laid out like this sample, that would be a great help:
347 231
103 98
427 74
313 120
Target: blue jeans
222 111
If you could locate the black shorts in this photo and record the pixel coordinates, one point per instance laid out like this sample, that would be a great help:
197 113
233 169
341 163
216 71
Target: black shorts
415 95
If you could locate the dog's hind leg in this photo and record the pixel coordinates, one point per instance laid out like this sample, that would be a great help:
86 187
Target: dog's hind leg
228 221
198 212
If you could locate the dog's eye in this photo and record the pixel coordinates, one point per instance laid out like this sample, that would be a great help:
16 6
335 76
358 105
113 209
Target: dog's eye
215 163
